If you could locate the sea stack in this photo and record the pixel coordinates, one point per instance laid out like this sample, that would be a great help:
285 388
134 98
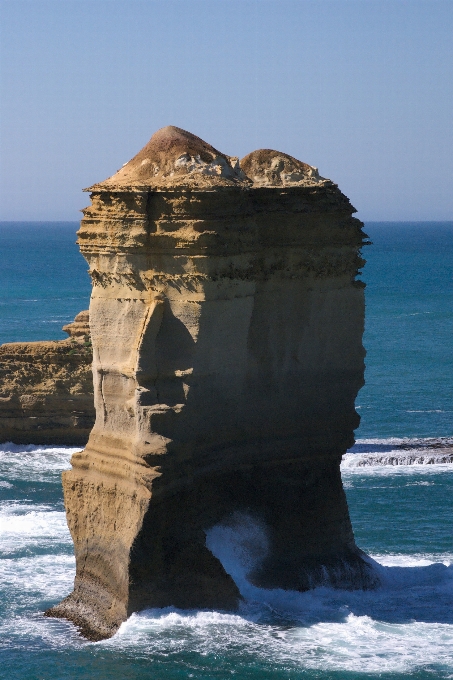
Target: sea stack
226 322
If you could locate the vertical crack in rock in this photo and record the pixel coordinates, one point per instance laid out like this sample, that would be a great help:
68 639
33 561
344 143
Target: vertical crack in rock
227 324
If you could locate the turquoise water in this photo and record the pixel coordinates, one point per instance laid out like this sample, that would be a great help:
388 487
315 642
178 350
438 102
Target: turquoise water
409 329
43 280
402 517
409 317
398 479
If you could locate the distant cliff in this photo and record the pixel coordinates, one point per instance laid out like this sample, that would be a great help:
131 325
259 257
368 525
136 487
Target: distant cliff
226 322
46 389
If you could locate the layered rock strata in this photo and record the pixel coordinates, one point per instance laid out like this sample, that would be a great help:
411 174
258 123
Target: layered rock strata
46 389
226 323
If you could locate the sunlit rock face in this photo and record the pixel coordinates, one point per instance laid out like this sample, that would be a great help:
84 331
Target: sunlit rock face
226 323
46 388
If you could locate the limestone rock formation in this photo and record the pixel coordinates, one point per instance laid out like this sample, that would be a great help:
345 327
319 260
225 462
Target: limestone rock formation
46 389
268 168
227 325
79 329
176 158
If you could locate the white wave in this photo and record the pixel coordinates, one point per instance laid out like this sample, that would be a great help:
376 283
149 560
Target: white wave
404 625
407 442
436 453
28 585
356 644
43 576
25 526
240 545
34 463
31 632
323 629
231 542
436 463
433 410
420 483
361 644
412 560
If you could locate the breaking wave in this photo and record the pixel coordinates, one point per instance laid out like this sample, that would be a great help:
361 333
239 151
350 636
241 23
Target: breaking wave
21 462
404 626
399 451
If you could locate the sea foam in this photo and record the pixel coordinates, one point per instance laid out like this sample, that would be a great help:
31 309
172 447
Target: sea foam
399 452
403 626
25 526
34 463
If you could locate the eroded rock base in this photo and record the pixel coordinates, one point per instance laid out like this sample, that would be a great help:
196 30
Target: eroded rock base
299 506
226 319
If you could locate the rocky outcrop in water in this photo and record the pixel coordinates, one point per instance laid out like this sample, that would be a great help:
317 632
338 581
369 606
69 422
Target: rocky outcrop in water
46 389
226 323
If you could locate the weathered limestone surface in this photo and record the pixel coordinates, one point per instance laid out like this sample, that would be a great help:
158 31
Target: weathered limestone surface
226 324
46 389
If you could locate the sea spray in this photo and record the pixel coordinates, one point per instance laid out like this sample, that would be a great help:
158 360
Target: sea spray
404 628
34 463
240 543
399 451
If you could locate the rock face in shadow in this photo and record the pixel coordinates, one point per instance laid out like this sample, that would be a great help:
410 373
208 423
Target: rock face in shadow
46 389
226 322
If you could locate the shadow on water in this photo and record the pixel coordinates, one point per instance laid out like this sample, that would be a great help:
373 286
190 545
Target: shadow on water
406 593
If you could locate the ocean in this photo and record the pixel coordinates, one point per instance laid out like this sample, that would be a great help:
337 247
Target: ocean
398 480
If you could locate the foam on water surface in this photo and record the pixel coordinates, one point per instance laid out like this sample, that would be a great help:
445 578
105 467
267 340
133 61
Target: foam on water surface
23 527
429 455
338 640
403 627
33 463
405 624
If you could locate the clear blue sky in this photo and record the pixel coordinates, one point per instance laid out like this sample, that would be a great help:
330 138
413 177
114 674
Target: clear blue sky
360 88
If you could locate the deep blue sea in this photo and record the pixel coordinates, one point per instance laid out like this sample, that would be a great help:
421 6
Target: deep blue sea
398 479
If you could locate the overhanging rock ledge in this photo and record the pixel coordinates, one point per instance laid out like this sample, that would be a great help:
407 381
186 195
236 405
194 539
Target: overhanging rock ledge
226 323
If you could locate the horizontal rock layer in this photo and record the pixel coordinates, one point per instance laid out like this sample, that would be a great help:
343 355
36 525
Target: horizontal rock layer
226 323
46 389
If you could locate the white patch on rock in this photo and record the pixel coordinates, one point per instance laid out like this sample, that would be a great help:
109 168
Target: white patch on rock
276 174
219 166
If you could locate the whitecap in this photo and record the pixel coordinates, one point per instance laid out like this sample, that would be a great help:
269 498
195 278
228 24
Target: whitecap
364 443
426 463
26 526
405 623
33 462
436 453
434 410
412 559
356 644
42 576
